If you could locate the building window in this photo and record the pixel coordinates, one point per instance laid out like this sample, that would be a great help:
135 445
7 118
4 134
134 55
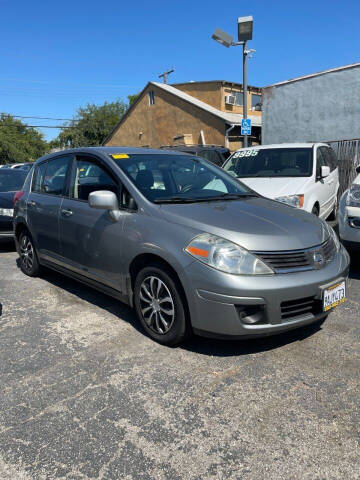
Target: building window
239 98
255 99
151 98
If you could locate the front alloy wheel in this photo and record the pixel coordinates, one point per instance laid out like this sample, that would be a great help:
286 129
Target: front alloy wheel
157 305
160 304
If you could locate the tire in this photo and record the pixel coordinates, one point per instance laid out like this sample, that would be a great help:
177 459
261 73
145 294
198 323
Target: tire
29 262
315 210
160 305
333 214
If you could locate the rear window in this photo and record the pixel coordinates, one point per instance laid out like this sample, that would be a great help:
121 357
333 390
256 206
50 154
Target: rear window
271 162
11 180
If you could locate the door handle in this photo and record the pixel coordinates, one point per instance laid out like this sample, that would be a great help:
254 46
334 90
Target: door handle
31 203
66 212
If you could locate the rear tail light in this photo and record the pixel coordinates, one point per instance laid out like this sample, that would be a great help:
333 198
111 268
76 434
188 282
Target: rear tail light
17 196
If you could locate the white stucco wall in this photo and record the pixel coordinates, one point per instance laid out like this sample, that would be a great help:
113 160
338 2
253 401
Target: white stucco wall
321 108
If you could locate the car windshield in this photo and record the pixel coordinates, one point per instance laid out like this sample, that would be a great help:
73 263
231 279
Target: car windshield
11 180
179 179
270 162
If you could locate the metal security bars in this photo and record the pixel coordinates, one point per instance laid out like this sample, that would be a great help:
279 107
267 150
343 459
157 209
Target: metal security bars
348 155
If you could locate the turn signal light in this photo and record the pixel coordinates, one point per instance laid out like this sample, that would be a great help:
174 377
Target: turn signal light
17 196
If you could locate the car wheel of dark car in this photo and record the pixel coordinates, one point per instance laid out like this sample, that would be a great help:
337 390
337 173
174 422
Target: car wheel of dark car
29 262
160 305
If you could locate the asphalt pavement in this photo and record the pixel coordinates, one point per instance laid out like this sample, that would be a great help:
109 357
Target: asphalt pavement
86 395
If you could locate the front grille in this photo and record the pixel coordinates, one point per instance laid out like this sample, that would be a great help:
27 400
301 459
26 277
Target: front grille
296 308
300 260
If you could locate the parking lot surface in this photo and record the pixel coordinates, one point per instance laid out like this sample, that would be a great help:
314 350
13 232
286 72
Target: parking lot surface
86 395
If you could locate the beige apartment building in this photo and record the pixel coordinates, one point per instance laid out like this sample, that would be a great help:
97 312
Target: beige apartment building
190 113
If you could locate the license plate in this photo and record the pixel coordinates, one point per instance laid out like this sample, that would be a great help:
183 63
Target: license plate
333 296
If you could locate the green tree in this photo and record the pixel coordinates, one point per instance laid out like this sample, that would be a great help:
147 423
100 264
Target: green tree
132 98
91 125
18 142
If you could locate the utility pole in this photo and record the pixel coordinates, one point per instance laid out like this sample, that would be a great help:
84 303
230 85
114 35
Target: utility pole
165 74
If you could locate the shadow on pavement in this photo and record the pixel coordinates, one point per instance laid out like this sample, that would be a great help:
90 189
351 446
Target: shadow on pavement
355 266
7 246
227 348
92 296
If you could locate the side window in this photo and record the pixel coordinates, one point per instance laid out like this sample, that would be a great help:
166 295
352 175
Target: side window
55 175
88 177
320 161
38 177
207 154
332 160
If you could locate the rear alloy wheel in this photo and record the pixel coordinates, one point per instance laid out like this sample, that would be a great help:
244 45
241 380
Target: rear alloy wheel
160 306
29 263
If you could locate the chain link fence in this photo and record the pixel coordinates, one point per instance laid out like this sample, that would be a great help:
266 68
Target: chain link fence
348 155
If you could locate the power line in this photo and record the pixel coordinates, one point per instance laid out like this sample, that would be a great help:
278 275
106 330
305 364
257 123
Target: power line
38 118
36 126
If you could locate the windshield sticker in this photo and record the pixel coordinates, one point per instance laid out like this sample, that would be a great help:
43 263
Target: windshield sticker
118 156
245 153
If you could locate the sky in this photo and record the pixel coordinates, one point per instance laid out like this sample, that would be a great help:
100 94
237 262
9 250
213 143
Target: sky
58 56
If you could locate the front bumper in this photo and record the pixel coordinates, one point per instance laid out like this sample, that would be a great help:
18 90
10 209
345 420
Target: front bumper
349 235
221 304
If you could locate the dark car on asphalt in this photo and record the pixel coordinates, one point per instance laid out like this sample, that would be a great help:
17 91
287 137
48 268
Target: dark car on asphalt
11 181
214 153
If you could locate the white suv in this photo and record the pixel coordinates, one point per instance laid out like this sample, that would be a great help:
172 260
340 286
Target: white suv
349 215
303 175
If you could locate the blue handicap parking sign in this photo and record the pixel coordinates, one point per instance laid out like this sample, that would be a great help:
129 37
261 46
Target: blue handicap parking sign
246 126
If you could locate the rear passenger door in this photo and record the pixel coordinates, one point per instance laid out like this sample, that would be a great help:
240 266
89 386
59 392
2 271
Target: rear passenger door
44 201
90 240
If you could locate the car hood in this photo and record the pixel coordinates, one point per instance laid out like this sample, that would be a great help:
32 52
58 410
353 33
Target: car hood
6 199
255 223
273 187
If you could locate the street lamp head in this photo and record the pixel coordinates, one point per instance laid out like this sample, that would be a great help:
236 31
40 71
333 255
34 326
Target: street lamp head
222 37
245 28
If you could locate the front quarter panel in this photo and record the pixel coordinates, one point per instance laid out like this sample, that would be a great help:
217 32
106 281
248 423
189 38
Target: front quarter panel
146 234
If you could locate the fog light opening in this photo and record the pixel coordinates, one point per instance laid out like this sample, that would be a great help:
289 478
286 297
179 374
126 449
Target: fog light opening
251 314
354 222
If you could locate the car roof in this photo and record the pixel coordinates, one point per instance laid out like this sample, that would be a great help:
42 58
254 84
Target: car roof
109 151
193 148
283 145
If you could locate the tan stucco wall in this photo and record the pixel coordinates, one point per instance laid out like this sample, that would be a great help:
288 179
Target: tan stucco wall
209 93
168 117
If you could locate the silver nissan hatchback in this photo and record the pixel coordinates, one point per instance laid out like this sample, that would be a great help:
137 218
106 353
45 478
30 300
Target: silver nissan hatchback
186 244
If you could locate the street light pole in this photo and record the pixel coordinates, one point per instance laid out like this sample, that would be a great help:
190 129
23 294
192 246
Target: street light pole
245 31
245 96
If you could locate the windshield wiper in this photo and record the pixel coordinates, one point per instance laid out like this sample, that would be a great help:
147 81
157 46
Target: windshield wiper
223 196
175 200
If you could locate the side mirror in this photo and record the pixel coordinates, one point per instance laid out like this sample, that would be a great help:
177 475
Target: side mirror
325 172
105 200
358 168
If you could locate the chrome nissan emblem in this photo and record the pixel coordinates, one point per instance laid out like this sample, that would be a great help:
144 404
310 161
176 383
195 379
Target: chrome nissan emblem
318 259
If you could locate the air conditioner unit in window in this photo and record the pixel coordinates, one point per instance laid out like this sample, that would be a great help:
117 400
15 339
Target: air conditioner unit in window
230 99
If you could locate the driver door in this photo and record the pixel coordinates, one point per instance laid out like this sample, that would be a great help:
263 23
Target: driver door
90 239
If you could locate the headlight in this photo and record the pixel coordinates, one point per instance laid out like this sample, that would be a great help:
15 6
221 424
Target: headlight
293 200
332 234
226 256
6 212
353 196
